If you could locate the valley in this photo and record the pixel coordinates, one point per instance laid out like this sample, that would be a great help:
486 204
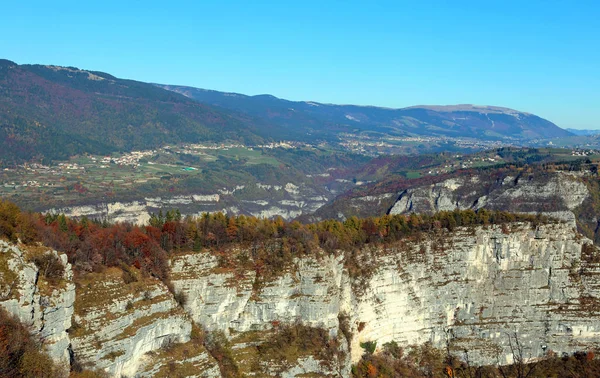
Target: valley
258 180
151 230
287 179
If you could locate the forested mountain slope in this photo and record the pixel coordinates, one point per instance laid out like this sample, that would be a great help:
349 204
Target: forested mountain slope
51 112
328 120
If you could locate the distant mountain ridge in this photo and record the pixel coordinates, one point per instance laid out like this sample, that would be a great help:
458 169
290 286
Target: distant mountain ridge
583 132
483 122
52 112
469 108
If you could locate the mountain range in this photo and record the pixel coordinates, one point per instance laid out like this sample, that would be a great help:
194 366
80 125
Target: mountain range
52 112
583 132
482 122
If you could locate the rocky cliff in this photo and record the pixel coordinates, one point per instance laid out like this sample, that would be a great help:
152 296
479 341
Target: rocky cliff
286 200
124 324
469 290
99 321
559 194
45 307
473 290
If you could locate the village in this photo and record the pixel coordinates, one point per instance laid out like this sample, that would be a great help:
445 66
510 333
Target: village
372 146
36 175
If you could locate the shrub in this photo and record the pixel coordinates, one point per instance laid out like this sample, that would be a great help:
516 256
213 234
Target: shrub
218 346
294 340
421 361
50 267
128 275
369 346
197 336
9 216
344 324
20 354
590 253
180 298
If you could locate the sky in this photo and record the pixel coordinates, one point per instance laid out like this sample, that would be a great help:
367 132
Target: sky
541 57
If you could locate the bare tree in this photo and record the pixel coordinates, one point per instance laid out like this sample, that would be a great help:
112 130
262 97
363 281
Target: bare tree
523 368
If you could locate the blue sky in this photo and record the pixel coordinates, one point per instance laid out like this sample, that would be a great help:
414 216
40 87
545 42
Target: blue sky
537 56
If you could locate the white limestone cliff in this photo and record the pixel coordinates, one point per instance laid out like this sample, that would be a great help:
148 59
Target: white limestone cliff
118 323
46 309
556 195
475 290
220 300
469 289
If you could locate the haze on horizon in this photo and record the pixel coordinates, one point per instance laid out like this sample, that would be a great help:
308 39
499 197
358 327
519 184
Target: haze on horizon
539 57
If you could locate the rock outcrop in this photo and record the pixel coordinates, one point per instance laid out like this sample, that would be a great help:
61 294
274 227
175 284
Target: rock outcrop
260 200
123 325
226 301
474 290
556 195
124 328
471 288
46 308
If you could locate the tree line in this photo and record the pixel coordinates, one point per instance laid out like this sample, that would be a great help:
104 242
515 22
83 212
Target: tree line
92 245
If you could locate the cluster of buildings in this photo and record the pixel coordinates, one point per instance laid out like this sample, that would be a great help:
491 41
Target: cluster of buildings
582 153
70 166
389 144
191 147
281 144
132 158
37 168
25 184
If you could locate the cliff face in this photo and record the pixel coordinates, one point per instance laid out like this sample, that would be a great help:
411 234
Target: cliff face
288 200
471 290
557 195
228 301
44 307
126 324
123 328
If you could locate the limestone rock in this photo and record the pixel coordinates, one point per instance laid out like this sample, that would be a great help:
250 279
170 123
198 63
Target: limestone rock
555 195
117 323
45 308
472 288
